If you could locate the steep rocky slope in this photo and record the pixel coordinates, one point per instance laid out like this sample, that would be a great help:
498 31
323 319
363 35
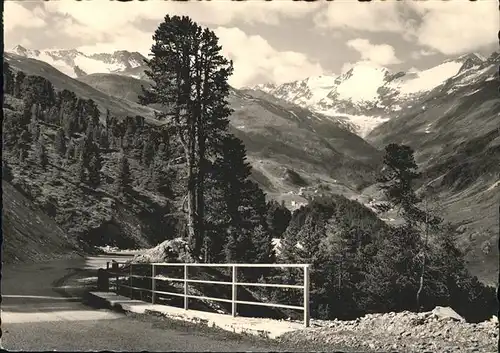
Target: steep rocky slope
29 234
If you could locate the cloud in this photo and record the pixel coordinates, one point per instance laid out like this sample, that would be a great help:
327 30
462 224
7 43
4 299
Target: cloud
20 17
458 27
422 53
254 58
112 25
215 12
447 27
372 16
380 54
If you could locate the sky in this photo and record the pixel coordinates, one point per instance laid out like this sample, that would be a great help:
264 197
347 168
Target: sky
271 41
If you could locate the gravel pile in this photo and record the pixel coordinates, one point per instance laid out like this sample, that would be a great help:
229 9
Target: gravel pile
441 330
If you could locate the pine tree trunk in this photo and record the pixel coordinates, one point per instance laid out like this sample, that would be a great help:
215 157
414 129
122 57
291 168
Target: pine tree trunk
422 272
188 143
200 139
421 285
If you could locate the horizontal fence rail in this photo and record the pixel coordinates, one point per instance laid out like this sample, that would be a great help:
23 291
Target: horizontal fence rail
125 269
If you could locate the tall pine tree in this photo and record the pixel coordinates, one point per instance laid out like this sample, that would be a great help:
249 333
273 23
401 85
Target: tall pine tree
190 82
60 143
41 157
8 79
123 179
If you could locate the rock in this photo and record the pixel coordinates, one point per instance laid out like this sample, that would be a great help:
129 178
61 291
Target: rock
417 321
175 250
445 313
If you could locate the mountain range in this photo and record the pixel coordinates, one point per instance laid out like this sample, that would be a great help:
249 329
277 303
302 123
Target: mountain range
326 134
75 63
367 94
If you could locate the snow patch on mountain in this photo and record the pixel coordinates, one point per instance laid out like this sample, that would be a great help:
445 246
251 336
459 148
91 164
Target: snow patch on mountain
368 95
75 63
361 83
58 64
319 87
363 124
426 80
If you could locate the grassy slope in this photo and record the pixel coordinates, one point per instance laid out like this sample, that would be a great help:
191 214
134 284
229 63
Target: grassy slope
119 86
461 157
29 234
117 106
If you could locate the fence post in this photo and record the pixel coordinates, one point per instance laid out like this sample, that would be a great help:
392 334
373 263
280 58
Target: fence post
235 291
306 296
108 274
115 267
130 282
185 287
153 284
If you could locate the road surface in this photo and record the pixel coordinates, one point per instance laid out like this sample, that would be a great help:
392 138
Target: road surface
42 310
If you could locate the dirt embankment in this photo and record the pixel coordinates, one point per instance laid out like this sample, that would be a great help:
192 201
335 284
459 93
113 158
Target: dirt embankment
29 234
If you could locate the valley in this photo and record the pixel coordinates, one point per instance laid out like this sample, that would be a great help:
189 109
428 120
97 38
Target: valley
432 116
449 114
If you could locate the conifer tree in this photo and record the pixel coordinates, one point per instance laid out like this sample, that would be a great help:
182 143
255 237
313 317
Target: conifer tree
231 246
94 170
18 84
8 79
69 123
91 159
108 120
80 170
244 203
22 155
70 153
103 139
6 171
23 145
41 153
397 182
123 179
147 154
194 102
278 218
60 143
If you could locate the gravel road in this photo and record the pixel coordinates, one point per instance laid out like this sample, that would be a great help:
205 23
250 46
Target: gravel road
42 309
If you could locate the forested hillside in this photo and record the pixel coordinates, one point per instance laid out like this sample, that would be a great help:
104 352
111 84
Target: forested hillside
115 181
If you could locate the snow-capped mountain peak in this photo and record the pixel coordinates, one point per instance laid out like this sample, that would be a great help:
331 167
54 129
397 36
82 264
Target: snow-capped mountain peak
75 63
368 94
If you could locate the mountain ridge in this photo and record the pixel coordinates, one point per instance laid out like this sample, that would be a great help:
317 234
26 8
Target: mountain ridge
367 94
75 63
